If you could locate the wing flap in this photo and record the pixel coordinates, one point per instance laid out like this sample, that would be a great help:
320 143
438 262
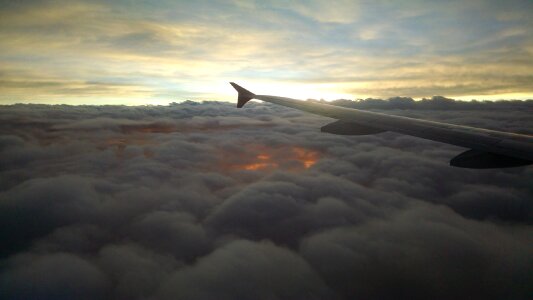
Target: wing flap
475 159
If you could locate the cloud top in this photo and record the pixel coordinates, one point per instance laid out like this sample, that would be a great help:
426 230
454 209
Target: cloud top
161 202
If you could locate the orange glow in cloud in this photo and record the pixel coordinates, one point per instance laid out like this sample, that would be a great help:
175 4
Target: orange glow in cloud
292 158
264 161
259 166
307 157
252 158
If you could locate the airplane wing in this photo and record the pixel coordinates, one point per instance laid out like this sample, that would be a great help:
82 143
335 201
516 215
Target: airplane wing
487 148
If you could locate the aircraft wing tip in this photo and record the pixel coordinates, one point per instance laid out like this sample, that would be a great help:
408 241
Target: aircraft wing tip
244 94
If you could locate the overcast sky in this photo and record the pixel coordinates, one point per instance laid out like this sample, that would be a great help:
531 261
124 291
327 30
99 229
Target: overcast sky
156 52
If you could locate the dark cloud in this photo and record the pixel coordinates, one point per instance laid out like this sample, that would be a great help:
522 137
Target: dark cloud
52 276
246 270
203 201
423 253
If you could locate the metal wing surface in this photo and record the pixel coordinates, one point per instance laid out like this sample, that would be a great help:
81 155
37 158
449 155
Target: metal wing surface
488 148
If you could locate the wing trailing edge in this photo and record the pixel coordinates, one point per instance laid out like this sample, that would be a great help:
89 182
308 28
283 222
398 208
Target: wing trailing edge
475 159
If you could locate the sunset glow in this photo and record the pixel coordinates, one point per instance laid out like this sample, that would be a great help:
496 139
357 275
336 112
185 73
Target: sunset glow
294 158
307 157
259 166
255 157
138 53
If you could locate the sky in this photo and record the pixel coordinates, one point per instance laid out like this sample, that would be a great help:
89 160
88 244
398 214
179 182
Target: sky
201 200
157 52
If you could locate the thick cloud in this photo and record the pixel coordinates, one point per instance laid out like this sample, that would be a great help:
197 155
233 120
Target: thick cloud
53 276
423 253
203 201
246 270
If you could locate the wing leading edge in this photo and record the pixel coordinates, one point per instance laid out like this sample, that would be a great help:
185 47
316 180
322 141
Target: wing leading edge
489 148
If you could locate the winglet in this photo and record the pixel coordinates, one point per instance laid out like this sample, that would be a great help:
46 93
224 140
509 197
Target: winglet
244 94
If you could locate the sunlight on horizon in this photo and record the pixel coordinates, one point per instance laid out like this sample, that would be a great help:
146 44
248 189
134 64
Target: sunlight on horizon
81 52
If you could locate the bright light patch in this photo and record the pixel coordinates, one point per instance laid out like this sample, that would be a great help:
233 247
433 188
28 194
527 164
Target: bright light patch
271 158
307 157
